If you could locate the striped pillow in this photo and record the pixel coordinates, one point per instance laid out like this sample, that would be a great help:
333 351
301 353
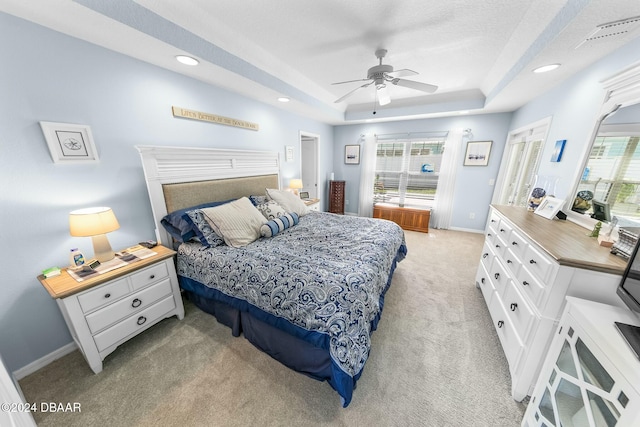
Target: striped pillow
275 226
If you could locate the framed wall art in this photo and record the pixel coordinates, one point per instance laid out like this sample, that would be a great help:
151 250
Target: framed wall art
352 154
477 153
69 143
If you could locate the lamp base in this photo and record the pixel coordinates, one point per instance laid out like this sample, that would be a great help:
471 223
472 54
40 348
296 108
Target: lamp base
102 248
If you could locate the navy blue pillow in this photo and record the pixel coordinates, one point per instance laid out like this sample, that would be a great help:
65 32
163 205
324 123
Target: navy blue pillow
180 228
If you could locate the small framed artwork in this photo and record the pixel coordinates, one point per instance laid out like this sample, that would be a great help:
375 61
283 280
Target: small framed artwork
549 207
558 150
477 153
304 195
352 154
288 153
69 143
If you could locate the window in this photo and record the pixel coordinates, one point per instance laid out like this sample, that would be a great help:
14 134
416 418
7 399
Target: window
611 179
407 171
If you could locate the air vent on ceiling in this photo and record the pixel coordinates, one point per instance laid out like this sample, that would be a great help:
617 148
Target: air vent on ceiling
611 31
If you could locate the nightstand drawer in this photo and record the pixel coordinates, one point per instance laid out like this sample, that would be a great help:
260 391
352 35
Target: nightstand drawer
133 324
103 295
118 310
149 275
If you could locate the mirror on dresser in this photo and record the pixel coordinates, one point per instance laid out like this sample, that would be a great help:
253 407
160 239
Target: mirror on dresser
608 186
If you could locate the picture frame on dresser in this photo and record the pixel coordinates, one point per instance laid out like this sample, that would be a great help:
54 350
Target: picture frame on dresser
549 207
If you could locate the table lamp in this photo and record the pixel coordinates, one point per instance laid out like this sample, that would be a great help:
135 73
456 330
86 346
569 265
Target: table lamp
95 223
295 185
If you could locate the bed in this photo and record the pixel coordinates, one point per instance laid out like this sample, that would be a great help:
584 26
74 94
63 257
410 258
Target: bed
309 294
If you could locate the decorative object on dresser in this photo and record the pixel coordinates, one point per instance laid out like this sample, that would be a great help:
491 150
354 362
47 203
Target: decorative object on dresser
528 266
336 196
408 219
108 309
590 376
95 223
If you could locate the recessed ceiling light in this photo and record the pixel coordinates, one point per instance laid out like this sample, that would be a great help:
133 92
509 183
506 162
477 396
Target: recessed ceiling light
284 99
546 68
187 60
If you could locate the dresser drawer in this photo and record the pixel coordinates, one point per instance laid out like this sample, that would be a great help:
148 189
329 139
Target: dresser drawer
499 276
494 220
149 275
132 303
530 286
504 230
133 324
97 297
517 244
486 258
512 262
519 311
509 339
485 285
537 263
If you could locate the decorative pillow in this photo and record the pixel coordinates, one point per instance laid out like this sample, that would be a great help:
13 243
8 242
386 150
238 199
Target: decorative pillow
204 232
271 209
179 227
258 200
275 226
237 222
289 201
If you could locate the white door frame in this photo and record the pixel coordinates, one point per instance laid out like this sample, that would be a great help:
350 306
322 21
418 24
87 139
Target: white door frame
316 149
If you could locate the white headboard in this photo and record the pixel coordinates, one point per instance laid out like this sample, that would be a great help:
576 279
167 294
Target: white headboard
171 165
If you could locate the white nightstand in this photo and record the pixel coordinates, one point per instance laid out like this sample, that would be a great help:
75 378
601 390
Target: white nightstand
313 204
105 311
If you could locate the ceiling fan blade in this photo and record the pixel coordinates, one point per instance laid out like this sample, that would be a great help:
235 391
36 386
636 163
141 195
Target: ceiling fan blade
424 87
351 81
352 92
383 95
405 72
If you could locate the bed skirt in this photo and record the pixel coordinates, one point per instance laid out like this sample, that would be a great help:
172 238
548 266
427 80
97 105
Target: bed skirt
304 351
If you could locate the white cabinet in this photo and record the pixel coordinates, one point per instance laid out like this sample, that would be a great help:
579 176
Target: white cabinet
529 264
105 311
590 377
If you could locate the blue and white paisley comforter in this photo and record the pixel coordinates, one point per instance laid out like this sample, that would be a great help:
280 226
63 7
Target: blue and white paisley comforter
327 274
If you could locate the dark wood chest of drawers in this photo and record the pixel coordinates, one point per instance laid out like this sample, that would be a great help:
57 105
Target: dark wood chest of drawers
336 197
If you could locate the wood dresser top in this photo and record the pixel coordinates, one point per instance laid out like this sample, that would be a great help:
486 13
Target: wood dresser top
565 241
64 285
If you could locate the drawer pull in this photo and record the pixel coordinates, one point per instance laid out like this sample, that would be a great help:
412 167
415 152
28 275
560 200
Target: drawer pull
489 234
497 276
525 283
107 295
500 323
514 243
513 306
482 280
498 246
136 303
484 255
532 261
502 230
509 261
493 220
153 276
141 320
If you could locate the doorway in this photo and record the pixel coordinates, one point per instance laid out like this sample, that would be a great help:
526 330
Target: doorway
309 163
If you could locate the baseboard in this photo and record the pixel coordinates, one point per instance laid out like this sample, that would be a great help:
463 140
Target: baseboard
468 230
44 361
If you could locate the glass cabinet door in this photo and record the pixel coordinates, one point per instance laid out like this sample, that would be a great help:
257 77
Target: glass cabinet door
579 392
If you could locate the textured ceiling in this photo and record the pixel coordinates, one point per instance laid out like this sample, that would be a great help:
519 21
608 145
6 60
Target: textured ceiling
479 53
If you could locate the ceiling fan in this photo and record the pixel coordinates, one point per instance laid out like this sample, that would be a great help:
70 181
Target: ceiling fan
383 74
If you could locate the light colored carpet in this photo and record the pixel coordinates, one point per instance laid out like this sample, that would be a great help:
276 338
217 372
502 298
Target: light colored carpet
435 361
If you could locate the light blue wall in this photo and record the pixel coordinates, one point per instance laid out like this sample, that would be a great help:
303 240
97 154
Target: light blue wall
47 76
574 107
472 190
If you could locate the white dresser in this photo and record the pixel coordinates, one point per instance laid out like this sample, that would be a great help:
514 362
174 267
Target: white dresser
105 311
529 264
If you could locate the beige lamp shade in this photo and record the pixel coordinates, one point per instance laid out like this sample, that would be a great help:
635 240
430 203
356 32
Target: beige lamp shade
95 223
296 184
92 221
